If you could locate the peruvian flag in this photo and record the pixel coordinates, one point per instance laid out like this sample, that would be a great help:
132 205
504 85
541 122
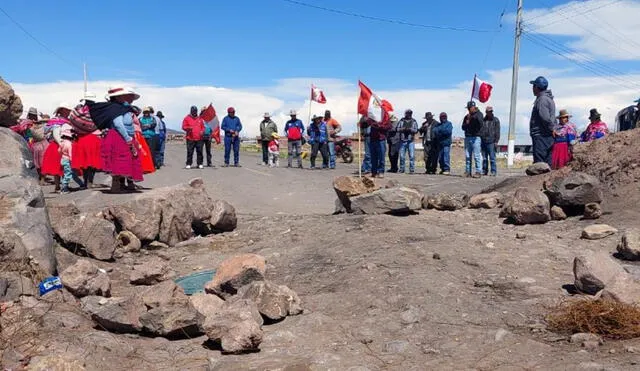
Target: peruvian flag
481 90
317 95
208 114
372 106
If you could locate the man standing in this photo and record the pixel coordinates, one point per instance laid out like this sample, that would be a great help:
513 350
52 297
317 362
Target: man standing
334 128
294 129
267 128
193 125
161 129
472 126
393 142
378 144
442 137
542 121
365 137
489 141
232 127
406 129
429 146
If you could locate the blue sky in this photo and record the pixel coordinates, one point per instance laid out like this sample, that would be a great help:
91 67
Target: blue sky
261 55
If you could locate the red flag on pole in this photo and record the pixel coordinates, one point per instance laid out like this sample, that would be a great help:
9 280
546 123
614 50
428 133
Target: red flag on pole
481 90
317 95
208 114
372 106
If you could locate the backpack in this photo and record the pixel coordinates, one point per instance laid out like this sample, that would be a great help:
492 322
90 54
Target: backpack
81 121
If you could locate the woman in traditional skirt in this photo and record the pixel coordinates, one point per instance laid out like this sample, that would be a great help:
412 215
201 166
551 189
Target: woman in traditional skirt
52 157
39 145
145 154
119 148
564 136
86 148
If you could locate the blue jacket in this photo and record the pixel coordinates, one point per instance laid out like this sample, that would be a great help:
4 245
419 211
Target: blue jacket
317 133
442 133
229 123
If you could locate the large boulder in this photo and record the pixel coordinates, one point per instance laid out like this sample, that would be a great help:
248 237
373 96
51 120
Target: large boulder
235 327
486 200
629 245
447 201
87 233
527 206
118 314
575 189
85 278
398 200
275 302
350 186
623 288
10 105
538 168
169 311
151 272
206 304
223 217
235 272
593 271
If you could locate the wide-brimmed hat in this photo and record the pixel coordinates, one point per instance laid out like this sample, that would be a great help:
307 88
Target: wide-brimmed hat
594 114
32 111
121 90
489 109
147 109
63 105
428 115
316 117
563 113
266 115
293 113
160 114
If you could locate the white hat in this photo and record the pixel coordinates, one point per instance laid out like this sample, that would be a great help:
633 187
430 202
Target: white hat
64 105
293 113
89 96
117 91
266 115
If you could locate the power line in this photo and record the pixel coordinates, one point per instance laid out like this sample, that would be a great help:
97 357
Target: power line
565 11
499 28
387 20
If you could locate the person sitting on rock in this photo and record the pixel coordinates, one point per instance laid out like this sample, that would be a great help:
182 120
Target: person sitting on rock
596 129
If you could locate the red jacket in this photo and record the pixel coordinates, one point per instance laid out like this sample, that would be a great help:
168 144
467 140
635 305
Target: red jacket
194 127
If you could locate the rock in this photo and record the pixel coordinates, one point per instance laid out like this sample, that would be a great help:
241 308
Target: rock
623 288
399 200
592 210
538 168
13 285
526 206
150 273
629 245
436 256
169 215
55 362
557 213
87 233
275 302
395 346
121 315
448 202
392 183
206 304
593 271
169 311
84 278
521 236
410 316
223 217
235 327
12 250
576 189
486 200
339 207
128 242
598 231
581 337
349 186
62 210
10 105
156 245
235 272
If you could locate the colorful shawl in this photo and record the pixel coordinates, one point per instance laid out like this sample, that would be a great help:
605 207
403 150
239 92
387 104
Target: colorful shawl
595 130
565 133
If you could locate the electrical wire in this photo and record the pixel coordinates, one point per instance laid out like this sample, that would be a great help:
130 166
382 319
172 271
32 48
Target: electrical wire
498 30
566 13
386 20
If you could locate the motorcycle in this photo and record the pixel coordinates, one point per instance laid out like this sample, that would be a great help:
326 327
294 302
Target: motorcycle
343 149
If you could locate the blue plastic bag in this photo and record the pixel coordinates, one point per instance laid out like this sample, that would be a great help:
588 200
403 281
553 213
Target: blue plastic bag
50 284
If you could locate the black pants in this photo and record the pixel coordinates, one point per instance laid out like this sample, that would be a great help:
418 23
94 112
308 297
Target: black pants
430 157
324 151
191 145
542 149
394 156
265 152
152 142
207 150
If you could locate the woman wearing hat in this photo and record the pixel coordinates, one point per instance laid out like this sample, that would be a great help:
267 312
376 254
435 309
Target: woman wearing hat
596 129
564 136
39 145
318 136
52 157
86 157
145 154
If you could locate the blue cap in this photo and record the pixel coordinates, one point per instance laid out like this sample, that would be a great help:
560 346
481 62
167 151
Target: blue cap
540 83
471 104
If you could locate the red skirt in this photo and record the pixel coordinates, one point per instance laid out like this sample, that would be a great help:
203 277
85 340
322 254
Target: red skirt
117 159
561 155
51 160
145 154
37 150
86 152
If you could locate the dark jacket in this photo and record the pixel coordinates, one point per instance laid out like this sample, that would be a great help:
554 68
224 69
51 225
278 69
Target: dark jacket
543 115
472 124
406 129
426 130
491 130
442 133
267 128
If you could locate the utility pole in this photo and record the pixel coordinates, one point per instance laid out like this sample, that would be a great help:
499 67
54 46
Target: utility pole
514 88
84 67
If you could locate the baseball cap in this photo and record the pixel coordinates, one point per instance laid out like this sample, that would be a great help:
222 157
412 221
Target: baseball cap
471 104
540 82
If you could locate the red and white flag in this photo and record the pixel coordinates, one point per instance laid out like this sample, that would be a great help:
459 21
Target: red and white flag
208 114
481 90
372 106
317 95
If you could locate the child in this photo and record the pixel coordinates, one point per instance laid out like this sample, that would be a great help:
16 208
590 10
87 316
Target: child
65 151
274 151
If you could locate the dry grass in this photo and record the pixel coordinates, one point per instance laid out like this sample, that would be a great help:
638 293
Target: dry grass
609 319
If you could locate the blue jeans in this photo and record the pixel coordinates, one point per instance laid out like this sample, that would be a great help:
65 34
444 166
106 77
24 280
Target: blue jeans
411 147
444 157
332 155
472 150
68 174
378 149
231 142
489 156
366 163
160 150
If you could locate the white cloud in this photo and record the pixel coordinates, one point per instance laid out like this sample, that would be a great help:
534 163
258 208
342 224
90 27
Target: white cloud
604 29
578 94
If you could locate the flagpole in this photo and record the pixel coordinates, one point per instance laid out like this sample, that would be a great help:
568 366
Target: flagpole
473 86
359 142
